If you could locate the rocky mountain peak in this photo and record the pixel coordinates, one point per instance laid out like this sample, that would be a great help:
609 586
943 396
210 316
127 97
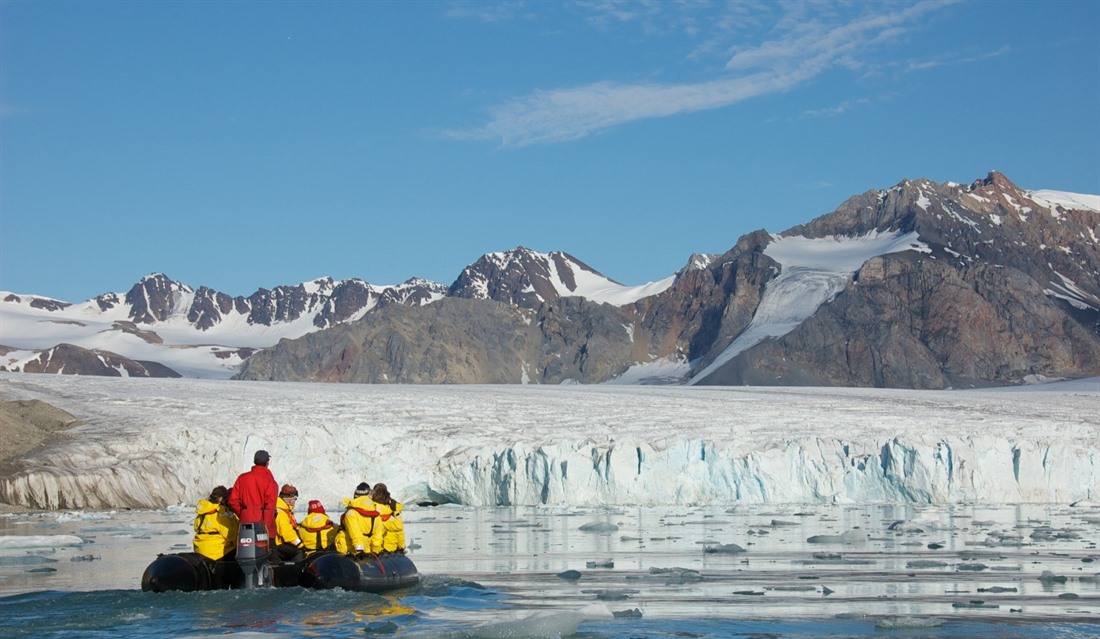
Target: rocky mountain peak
995 180
522 277
154 298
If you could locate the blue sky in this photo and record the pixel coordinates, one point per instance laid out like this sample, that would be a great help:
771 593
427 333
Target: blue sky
240 145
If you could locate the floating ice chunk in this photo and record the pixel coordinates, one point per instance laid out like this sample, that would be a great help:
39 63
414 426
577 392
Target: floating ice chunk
906 526
724 549
612 594
835 559
39 541
974 603
80 515
849 537
677 575
926 563
599 526
85 558
1050 578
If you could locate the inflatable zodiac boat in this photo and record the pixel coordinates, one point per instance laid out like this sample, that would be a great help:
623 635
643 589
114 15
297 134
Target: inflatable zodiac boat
190 571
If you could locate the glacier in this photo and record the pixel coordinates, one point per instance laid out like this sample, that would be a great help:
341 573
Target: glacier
151 443
813 272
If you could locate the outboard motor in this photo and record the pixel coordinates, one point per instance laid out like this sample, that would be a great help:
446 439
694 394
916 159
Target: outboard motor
252 552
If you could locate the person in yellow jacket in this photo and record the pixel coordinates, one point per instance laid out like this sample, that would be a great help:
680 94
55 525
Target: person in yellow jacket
357 523
317 531
215 527
389 530
287 542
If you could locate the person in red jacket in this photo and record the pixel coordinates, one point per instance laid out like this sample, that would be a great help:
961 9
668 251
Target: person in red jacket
254 495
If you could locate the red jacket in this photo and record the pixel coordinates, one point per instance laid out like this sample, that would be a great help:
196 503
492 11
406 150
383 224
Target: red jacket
253 497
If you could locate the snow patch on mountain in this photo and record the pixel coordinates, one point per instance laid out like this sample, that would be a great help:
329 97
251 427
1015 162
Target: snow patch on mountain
814 270
1066 200
600 289
666 370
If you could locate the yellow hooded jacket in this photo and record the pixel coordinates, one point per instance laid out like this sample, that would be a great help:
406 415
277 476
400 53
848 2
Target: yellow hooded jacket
357 524
215 530
286 527
317 532
389 533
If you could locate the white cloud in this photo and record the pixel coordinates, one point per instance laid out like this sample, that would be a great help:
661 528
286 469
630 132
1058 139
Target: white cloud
567 114
807 46
945 60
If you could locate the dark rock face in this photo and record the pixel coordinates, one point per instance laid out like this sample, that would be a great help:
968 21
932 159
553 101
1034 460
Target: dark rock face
456 341
705 308
452 341
67 359
154 298
578 340
208 308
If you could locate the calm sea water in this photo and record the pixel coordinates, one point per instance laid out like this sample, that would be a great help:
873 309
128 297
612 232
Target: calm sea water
811 571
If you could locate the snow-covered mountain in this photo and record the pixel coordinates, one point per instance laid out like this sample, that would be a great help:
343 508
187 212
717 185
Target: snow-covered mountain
999 284
149 443
527 279
195 333
164 328
921 285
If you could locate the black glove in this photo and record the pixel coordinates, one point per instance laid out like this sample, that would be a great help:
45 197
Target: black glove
360 555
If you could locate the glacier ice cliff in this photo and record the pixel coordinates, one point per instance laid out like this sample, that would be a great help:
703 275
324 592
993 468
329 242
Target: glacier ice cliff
152 443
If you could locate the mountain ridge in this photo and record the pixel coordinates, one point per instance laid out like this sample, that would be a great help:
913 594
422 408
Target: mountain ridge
683 323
